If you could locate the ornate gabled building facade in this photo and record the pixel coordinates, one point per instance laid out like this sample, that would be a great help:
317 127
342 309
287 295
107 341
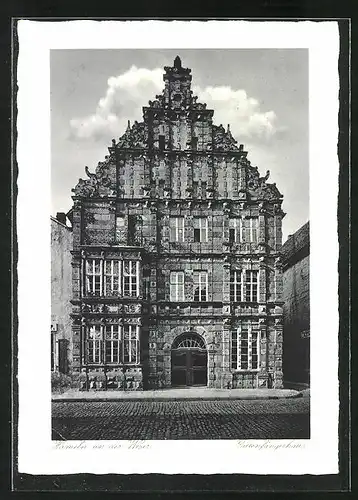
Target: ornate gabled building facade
177 277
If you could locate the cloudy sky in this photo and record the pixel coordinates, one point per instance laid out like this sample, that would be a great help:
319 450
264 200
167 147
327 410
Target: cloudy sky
262 94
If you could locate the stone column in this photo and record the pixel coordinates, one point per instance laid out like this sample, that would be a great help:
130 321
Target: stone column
167 365
278 375
262 282
152 357
278 280
76 350
76 224
262 229
278 232
263 375
226 376
211 365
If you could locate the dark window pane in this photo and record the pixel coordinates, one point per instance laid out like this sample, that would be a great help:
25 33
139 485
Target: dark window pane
197 235
231 235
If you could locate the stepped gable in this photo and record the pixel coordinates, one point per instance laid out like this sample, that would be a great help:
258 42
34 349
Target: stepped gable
174 103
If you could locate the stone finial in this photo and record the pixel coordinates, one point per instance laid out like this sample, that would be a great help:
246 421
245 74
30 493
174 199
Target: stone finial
177 62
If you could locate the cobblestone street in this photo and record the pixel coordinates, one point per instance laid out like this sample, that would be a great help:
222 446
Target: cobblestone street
127 420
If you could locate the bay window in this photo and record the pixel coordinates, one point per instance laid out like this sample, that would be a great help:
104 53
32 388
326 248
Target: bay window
112 344
112 277
244 286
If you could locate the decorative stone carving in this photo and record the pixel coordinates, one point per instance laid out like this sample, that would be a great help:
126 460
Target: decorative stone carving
223 140
135 137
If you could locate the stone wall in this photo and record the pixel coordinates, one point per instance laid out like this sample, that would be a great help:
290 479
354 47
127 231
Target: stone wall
61 289
296 294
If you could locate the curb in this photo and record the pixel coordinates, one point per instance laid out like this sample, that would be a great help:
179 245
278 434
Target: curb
166 399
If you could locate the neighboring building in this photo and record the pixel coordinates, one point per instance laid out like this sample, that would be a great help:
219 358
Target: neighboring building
61 293
296 295
177 279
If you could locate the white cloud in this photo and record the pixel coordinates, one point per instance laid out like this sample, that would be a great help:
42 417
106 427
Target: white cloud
129 91
242 112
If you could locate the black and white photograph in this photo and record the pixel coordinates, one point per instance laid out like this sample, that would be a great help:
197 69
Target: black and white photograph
182 205
178 295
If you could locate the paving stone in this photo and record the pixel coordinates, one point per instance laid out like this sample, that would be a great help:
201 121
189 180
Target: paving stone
127 420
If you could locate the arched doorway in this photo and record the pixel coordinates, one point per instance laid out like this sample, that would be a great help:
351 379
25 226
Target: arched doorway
189 361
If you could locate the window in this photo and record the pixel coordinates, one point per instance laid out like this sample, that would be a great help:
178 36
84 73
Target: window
121 344
121 230
245 347
130 281
131 344
53 350
201 229
177 229
176 286
112 277
236 286
251 283
94 344
244 286
235 230
200 286
251 229
132 223
113 344
94 276
161 142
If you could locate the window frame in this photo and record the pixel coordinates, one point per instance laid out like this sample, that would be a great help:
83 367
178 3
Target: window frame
90 277
236 284
131 341
121 228
203 231
253 348
112 277
236 222
110 341
133 277
253 230
177 228
96 349
201 284
175 285
91 344
251 286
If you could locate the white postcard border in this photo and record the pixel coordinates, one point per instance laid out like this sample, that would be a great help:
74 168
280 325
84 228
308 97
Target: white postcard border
37 453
